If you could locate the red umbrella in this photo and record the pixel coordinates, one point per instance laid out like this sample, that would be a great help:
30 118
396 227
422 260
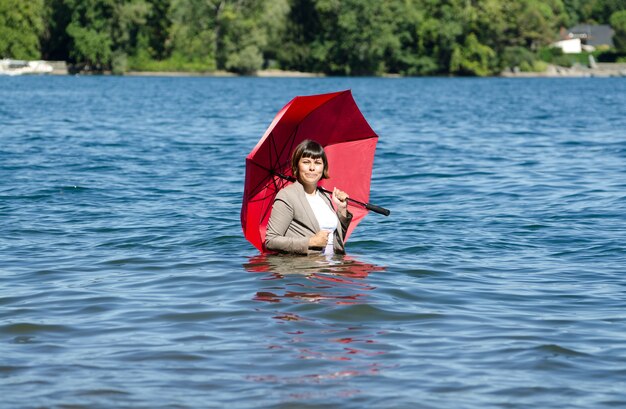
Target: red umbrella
333 120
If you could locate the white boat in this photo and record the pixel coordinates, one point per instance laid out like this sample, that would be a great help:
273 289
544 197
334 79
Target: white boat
19 67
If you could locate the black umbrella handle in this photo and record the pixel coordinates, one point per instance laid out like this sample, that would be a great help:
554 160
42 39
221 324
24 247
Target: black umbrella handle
377 209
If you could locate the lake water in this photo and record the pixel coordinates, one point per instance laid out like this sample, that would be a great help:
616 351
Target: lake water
498 281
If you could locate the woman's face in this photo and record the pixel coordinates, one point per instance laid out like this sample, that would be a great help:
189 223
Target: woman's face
310 170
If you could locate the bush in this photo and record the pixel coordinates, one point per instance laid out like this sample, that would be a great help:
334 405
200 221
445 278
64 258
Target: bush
549 54
119 63
554 55
472 58
607 56
177 62
535 66
618 22
516 56
246 61
540 66
21 24
563 61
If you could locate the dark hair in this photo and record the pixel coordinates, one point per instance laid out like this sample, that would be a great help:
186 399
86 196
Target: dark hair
308 149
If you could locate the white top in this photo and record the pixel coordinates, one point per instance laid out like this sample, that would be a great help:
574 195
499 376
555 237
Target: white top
326 218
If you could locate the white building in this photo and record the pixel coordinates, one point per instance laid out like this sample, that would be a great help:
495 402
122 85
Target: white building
570 46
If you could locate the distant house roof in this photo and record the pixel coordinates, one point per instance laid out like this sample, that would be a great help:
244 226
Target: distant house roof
594 35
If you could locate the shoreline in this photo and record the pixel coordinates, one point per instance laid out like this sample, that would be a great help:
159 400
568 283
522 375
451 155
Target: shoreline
262 74
552 71
603 70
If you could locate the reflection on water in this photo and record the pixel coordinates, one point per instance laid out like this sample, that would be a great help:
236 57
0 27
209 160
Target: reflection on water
313 292
340 280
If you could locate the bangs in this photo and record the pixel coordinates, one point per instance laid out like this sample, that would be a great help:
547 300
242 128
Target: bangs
313 151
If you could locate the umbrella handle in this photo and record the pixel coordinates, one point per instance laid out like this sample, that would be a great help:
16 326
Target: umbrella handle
377 209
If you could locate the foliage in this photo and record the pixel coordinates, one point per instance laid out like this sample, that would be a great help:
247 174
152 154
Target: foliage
549 54
618 22
602 10
245 28
193 34
175 62
610 56
472 58
336 37
55 41
21 24
535 66
517 56
119 62
355 37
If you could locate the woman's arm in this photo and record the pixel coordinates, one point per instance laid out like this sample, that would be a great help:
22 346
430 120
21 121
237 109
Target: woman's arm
345 221
341 204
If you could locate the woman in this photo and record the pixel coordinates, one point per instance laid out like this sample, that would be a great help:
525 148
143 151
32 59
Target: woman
303 220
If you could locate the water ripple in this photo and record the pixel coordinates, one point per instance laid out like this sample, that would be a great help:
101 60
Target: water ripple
497 281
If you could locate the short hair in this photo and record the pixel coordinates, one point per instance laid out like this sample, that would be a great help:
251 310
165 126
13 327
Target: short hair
308 149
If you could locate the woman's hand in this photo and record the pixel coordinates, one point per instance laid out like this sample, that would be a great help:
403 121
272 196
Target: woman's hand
320 239
340 200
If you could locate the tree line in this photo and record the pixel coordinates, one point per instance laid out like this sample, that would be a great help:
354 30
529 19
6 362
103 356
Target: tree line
335 37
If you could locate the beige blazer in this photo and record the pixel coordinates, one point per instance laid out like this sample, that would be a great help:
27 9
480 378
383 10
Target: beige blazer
292 223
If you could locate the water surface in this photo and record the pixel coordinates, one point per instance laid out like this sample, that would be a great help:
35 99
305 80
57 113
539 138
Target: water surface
497 281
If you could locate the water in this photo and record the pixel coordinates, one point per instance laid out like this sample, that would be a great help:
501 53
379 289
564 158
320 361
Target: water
497 281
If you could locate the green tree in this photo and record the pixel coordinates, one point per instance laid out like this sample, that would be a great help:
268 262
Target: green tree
602 10
350 37
90 30
194 33
158 29
141 34
273 20
533 23
204 35
128 32
574 10
444 28
341 37
21 24
357 36
128 22
410 56
103 33
472 58
55 40
245 29
302 26
618 22
516 56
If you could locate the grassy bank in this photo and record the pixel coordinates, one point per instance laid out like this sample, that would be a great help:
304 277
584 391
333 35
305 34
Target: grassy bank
514 60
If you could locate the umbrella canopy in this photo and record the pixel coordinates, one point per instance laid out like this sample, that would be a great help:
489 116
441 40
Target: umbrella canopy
334 121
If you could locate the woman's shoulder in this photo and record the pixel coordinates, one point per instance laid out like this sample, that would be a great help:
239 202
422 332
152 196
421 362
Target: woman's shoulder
288 191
